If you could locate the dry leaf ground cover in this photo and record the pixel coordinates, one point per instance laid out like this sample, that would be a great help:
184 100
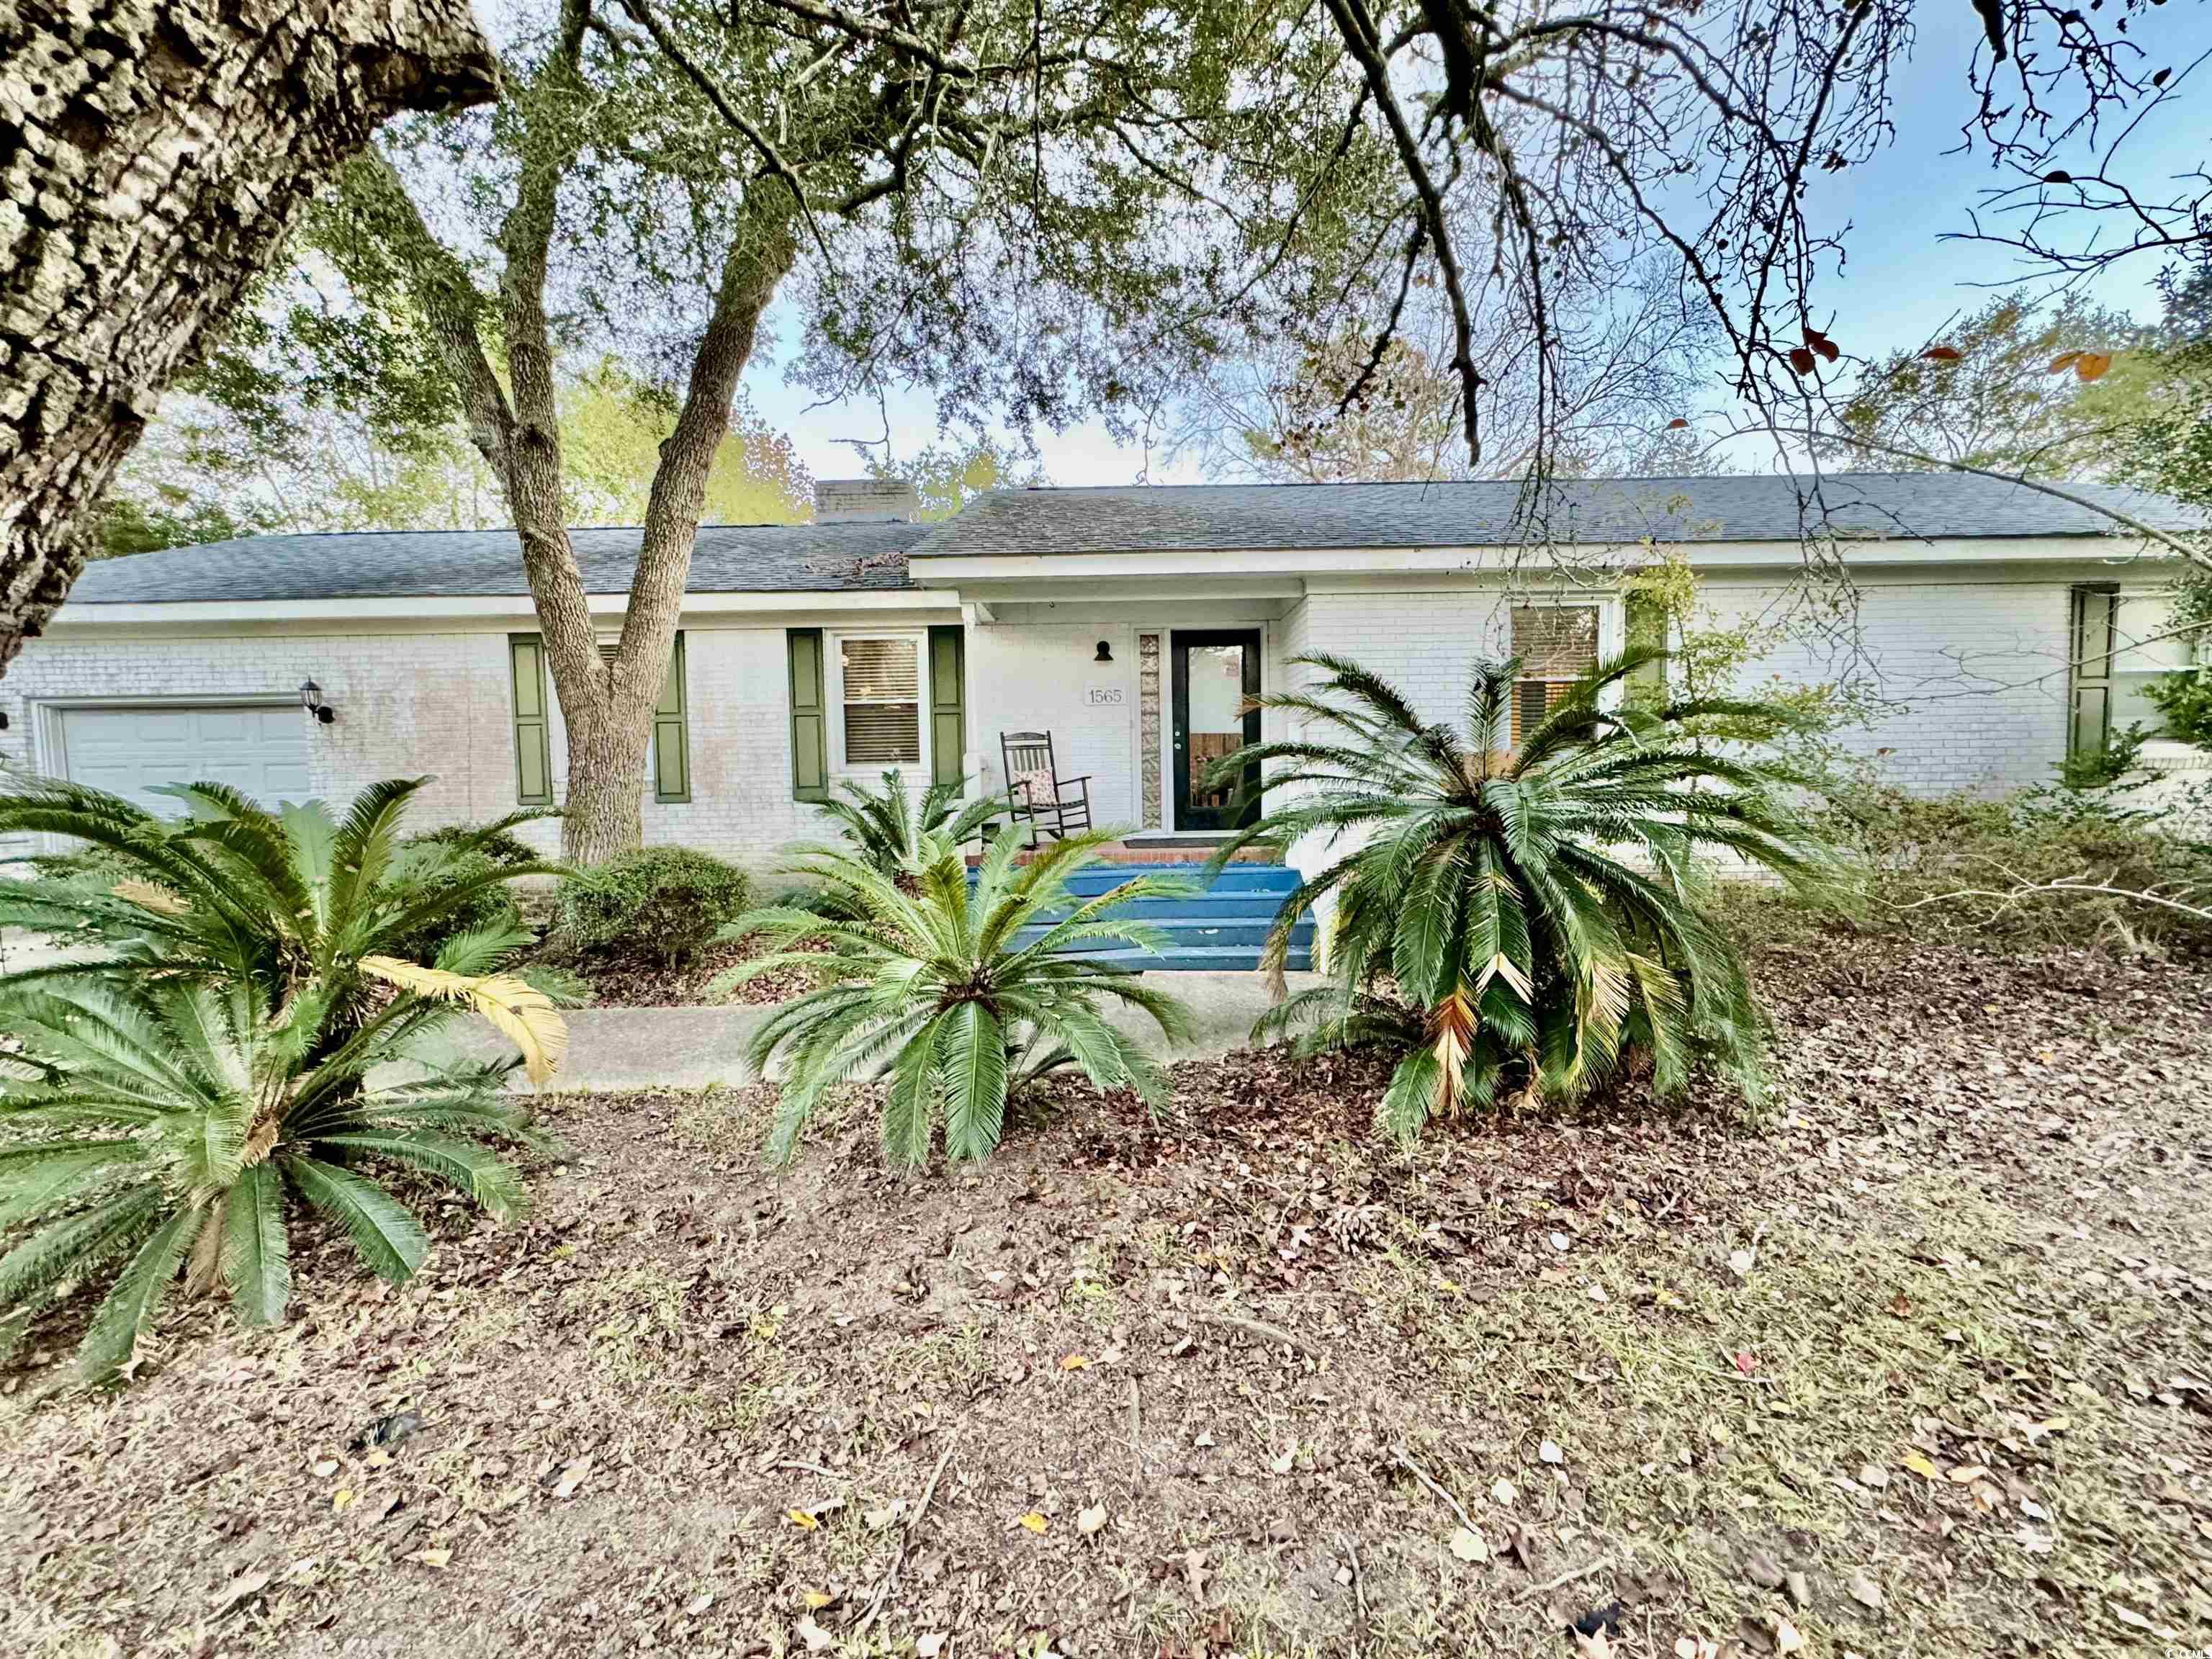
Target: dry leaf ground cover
1916 1365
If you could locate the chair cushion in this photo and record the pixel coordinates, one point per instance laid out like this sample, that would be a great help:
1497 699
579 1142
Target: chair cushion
1042 791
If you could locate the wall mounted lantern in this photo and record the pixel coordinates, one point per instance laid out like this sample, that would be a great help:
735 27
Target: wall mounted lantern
1105 652
311 699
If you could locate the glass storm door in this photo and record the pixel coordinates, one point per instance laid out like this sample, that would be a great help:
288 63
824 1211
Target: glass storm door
1214 673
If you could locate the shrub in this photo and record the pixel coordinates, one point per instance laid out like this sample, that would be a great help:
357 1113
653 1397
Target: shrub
664 901
1534 910
1962 864
457 860
147 1126
933 982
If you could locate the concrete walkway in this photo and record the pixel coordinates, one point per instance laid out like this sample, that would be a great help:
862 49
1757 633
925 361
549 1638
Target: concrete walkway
617 1050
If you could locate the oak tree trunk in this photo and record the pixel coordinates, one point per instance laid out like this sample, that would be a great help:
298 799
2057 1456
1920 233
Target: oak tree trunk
153 154
607 755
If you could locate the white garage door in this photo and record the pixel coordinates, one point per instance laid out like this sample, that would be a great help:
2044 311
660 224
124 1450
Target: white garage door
259 749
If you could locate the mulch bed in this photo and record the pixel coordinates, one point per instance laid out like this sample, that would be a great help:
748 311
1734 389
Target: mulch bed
1914 1362
642 982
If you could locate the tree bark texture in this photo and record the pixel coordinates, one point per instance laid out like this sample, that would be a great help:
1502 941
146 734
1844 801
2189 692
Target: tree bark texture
607 754
155 153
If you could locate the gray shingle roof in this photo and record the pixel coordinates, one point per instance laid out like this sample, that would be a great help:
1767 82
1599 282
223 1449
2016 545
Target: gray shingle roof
1600 511
458 563
848 557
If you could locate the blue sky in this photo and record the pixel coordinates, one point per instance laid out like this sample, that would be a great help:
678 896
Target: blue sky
1900 284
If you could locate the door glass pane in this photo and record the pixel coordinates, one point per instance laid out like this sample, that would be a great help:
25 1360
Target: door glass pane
1217 719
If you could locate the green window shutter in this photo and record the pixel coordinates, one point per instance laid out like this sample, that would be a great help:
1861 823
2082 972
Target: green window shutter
533 753
2089 720
671 739
948 703
809 726
1646 628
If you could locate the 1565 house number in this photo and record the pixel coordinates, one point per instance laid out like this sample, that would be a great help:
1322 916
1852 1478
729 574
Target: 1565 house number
1104 696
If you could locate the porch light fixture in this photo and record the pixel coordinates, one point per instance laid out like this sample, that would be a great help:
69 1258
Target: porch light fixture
311 699
1105 652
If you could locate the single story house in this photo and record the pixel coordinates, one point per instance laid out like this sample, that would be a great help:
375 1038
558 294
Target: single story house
1996 624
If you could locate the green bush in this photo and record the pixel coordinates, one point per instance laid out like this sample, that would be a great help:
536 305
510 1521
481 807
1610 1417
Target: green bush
2186 699
1961 863
659 902
456 860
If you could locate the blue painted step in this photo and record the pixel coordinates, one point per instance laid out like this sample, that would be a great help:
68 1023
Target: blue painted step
1236 879
1206 932
1218 928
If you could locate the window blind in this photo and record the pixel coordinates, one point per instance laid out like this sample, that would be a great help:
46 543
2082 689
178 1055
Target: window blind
883 701
1557 645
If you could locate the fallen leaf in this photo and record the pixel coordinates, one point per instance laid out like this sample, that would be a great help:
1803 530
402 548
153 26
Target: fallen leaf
1786 1638
1741 1262
1549 1452
1966 1473
1873 1474
1035 1521
698 1604
239 1588
1592 1646
801 1519
1863 1590
1503 1492
1466 1544
1286 1462
1075 1362
342 1498
433 1558
1920 1466
326 1468
929 1644
817 1639
1747 1363
572 1475
1089 1521
814 1600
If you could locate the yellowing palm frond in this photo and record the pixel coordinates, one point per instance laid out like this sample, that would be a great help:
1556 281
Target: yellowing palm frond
148 895
523 1014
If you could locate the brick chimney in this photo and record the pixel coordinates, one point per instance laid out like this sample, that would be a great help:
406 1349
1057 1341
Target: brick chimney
864 501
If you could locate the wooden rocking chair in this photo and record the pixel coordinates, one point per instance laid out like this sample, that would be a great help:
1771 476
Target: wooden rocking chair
1037 792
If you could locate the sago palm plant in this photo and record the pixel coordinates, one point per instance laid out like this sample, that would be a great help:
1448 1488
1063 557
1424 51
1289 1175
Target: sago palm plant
176 1124
889 825
1527 916
233 892
928 978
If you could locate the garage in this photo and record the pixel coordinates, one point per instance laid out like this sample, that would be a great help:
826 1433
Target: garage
258 748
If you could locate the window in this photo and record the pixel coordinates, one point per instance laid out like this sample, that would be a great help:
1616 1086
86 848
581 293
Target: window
2122 642
1557 645
881 681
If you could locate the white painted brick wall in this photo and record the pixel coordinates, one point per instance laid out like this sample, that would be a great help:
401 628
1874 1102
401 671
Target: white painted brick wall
409 704
1421 643
1973 675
